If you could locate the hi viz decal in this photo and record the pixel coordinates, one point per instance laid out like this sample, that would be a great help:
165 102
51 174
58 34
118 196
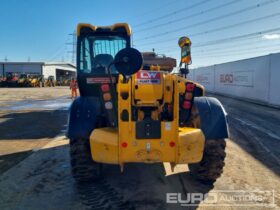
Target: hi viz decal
148 77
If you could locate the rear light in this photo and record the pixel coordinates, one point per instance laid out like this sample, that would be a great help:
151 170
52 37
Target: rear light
108 105
107 96
105 88
172 144
187 105
190 87
124 144
188 96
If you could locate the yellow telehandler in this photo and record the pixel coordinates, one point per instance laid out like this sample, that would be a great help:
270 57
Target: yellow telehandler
129 115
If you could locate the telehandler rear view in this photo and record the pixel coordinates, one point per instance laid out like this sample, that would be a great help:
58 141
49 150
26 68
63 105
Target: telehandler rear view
126 114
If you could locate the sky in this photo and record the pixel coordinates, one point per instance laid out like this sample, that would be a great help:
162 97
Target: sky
221 31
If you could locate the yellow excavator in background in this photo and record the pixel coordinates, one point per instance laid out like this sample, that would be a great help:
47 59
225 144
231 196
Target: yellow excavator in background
37 80
50 82
129 115
23 81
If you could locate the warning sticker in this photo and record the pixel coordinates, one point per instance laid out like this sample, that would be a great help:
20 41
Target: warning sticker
148 77
168 126
98 80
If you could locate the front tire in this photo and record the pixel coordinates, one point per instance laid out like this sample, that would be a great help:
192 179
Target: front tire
211 166
83 167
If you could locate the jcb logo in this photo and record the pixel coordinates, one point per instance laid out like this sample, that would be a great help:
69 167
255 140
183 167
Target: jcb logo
226 78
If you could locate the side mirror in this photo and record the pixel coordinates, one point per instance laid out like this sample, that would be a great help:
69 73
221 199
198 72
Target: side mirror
128 61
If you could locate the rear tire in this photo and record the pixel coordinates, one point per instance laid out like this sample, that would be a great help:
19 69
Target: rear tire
211 166
83 167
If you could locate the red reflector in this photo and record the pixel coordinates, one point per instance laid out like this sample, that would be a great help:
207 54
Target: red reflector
190 87
124 144
187 105
172 144
105 88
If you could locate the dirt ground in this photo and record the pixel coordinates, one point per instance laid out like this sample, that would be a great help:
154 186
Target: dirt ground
17 94
35 170
27 125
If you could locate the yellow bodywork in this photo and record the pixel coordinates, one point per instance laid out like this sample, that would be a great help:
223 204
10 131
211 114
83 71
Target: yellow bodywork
104 145
112 28
105 148
176 144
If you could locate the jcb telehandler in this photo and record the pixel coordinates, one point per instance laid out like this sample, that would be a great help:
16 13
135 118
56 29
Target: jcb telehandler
126 114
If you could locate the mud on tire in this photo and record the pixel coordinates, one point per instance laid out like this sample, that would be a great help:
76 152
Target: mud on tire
212 163
83 167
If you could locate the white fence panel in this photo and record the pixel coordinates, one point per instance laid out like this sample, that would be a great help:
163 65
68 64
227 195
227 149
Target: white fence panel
246 78
274 88
205 76
256 79
191 75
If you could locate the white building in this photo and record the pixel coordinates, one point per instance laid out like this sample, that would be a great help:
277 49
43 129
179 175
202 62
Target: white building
58 70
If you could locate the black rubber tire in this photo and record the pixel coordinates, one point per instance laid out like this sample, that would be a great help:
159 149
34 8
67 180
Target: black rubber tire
84 169
211 166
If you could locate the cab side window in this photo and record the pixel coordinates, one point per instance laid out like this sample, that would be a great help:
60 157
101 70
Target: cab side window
85 61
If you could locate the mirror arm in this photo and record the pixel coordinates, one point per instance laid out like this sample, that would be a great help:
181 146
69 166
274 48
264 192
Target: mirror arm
124 79
184 71
124 76
109 72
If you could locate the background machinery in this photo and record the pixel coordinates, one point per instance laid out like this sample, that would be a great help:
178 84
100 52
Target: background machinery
151 59
36 80
23 80
50 82
126 114
11 80
31 80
